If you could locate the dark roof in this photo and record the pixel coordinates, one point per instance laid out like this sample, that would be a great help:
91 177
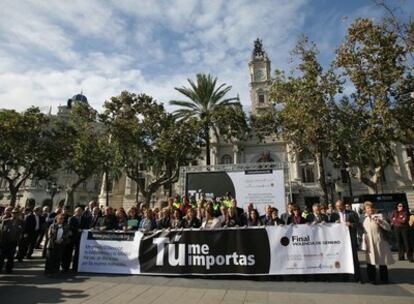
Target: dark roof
78 98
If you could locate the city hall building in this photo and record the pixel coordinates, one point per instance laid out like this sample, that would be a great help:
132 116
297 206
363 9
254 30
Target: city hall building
301 175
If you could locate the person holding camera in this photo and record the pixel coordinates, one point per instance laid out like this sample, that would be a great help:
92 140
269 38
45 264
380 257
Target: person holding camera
377 248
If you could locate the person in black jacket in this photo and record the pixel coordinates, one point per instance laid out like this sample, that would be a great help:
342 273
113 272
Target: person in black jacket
316 217
296 217
254 219
29 225
43 226
275 220
232 219
96 218
341 215
287 216
73 242
58 235
110 222
267 217
190 220
49 221
10 232
165 221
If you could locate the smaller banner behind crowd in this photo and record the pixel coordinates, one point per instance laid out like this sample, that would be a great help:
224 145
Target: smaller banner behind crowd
299 249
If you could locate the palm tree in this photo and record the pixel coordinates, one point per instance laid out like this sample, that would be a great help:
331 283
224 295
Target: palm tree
205 99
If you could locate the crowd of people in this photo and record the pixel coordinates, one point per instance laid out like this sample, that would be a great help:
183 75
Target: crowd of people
58 232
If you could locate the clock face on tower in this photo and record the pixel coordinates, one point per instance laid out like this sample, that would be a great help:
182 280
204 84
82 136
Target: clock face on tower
259 75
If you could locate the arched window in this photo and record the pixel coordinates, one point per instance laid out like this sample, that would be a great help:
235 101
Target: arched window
226 159
261 98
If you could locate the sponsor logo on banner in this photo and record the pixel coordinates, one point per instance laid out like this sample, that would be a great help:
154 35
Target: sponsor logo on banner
224 251
306 241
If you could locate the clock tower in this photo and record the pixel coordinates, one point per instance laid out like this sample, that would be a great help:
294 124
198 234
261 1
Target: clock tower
260 81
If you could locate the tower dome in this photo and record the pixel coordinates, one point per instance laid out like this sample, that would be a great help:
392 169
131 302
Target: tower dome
78 98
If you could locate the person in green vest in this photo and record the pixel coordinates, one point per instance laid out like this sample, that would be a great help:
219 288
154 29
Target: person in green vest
227 201
177 202
305 213
216 206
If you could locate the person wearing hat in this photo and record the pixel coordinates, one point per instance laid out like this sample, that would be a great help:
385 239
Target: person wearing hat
10 233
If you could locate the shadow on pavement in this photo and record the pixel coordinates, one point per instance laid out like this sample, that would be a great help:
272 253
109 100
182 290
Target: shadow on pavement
32 294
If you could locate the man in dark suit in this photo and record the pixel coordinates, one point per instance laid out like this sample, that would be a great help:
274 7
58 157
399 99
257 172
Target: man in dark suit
110 220
29 234
286 216
73 243
341 215
43 226
10 232
316 217
267 217
95 220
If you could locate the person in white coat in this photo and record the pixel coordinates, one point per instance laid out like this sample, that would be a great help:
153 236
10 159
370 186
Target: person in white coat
377 248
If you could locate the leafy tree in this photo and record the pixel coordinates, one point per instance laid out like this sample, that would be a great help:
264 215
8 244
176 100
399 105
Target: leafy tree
373 60
206 102
30 145
152 144
87 147
304 100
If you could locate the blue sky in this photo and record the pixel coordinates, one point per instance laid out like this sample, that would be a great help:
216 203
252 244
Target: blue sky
51 50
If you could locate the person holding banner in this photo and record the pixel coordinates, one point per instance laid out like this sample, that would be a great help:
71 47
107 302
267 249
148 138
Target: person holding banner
190 220
275 218
296 217
341 215
211 222
254 220
147 223
286 217
232 218
176 219
377 247
165 221
267 217
133 218
201 210
316 217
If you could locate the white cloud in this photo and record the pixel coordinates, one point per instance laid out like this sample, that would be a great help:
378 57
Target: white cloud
54 49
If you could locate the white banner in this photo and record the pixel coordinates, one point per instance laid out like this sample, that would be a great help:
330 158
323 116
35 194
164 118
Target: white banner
260 187
309 249
274 250
109 252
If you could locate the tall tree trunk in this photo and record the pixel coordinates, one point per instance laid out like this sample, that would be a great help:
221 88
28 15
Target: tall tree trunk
136 193
322 179
207 139
69 198
350 190
13 195
147 196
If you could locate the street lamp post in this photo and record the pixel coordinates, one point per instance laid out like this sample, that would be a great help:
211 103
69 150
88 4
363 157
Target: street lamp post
331 184
53 189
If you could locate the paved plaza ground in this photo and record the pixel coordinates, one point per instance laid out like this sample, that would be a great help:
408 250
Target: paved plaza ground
29 285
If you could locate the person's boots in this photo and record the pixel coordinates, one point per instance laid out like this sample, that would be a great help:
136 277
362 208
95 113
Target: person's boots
383 271
371 272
